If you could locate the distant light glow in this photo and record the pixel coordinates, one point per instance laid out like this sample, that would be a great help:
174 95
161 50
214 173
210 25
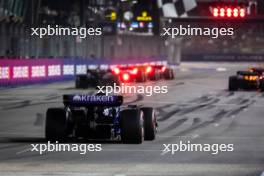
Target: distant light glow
163 69
125 77
135 71
215 12
116 71
222 12
242 12
230 12
235 12
148 69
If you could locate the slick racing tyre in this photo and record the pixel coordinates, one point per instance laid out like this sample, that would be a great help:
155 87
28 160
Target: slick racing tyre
56 124
141 77
132 126
168 74
81 82
233 83
77 83
150 123
261 85
155 75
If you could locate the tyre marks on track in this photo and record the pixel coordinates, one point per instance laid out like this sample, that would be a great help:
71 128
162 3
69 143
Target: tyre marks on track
39 119
201 103
215 118
197 113
167 115
173 125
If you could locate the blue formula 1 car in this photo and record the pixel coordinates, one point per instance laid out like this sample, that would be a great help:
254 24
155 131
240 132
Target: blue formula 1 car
100 117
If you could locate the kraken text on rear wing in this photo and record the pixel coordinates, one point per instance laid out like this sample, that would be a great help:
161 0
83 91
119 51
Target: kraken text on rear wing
92 100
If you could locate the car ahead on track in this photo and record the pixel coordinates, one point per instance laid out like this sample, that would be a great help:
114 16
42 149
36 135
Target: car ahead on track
246 80
165 72
130 74
156 72
258 70
143 73
100 117
94 78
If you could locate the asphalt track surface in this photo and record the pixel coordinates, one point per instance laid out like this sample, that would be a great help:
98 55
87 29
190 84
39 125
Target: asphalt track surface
198 108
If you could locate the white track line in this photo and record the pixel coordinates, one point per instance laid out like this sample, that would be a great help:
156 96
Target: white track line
23 151
195 136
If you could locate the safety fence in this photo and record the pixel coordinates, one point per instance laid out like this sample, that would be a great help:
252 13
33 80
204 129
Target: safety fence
16 72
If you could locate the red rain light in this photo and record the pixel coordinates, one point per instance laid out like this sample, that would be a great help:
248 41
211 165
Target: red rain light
163 69
242 12
125 77
229 12
135 71
148 69
116 71
235 12
215 12
222 12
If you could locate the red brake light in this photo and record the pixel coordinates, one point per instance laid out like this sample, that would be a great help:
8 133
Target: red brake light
125 77
116 71
235 12
222 12
148 69
215 12
163 69
135 71
242 12
229 12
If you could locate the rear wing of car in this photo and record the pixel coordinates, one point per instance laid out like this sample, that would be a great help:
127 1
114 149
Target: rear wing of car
83 100
247 73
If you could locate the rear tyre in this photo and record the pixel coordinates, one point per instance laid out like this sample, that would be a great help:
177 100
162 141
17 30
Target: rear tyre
77 83
141 77
81 82
150 123
56 124
168 74
233 83
155 76
261 85
132 126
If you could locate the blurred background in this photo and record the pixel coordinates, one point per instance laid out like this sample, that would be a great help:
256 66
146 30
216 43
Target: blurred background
131 29
115 17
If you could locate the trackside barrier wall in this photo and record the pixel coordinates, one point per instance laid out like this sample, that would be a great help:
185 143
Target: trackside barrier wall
224 57
15 72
